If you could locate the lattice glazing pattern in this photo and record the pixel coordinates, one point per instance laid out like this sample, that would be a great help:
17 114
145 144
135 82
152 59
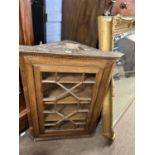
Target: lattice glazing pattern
67 98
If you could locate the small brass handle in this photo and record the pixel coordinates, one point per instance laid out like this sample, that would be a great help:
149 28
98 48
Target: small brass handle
123 5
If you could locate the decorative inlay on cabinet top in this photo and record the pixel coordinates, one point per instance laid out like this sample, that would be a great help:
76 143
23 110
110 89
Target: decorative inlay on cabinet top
67 48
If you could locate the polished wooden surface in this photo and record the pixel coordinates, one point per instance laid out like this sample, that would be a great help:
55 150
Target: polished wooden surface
79 20
58 84
25 14
105 33
23 121
106 44
25 38
108 27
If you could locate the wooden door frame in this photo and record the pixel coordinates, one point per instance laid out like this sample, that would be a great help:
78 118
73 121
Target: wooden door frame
68 69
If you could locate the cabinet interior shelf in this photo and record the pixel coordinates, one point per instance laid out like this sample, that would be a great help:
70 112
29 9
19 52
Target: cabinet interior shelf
54 117
55 94
53 124
66 98
68 78
66 102
72 112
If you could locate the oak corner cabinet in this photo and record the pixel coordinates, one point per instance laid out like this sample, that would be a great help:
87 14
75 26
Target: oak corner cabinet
64 85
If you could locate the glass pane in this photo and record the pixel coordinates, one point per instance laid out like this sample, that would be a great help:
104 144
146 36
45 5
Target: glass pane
124 75
66 98
67 77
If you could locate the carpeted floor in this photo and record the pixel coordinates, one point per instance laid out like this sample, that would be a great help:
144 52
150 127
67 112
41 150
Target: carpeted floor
96 145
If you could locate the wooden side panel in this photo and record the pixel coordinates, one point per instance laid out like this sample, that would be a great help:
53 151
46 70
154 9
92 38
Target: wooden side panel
23 113
32 96
39 97
106 77
23 119
25 38
21 39
25 105
26 21
79 20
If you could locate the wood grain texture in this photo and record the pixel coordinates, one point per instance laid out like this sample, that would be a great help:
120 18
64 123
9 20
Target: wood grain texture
42 59
25 14
105 43
67 49
25 92
105 32
21 39
79 20
25 38
22 113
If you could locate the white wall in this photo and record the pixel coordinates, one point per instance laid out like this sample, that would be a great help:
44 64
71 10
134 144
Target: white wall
54 19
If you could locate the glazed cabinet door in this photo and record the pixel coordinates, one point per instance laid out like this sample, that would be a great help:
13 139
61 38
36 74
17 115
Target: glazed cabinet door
65 98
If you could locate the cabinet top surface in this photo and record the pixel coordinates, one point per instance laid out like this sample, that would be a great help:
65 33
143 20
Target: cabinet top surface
67 48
